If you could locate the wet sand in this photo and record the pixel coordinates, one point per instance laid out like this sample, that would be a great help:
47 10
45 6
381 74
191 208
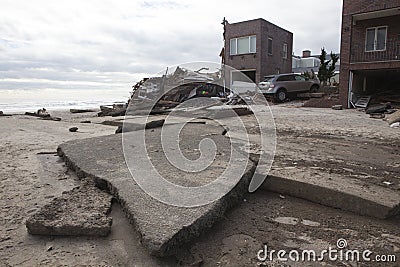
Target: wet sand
28 181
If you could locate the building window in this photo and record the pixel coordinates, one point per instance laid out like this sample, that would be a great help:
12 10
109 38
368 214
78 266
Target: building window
243 45
376 39
269 46
284 55
233 47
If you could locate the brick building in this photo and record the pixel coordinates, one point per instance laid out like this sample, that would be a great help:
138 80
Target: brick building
257 48
370 49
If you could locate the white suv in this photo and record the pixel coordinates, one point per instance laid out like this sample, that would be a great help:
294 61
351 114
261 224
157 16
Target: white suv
279 86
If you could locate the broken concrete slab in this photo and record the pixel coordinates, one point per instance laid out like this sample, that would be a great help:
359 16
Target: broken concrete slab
334 190
130 127
135 120
82 211
163 228
394 117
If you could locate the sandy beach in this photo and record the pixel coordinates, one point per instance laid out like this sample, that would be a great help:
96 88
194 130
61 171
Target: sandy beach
29 180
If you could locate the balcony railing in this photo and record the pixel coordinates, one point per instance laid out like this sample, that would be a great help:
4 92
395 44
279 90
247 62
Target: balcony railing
391 53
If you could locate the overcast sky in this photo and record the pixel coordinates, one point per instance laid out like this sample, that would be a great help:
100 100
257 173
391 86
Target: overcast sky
112 44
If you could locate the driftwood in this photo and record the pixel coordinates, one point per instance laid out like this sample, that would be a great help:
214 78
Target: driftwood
37 115
4 115
43 116
112 112
73 110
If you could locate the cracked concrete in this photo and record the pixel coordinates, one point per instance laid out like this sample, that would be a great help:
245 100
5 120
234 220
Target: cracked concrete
82 211
163 228
335 191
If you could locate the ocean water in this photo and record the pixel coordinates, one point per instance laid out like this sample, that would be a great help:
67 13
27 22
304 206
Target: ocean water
22 100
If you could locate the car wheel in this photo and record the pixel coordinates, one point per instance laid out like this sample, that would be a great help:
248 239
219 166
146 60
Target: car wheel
314 88
281 95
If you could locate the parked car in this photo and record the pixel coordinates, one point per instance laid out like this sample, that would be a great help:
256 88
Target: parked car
279 86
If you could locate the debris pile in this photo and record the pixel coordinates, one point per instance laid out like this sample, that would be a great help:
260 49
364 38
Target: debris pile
181 85
389 96
326 101
170 90
379 110
113 110
161 94
325 97
42 114
377 105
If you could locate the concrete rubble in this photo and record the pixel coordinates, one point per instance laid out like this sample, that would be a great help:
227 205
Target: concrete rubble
394 117
335 191
313 163
82 211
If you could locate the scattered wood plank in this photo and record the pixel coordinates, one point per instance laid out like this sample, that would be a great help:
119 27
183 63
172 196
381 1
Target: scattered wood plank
337 107
34 114
394 117
73 110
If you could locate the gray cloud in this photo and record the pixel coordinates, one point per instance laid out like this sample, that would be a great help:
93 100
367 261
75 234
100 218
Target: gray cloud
107 44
